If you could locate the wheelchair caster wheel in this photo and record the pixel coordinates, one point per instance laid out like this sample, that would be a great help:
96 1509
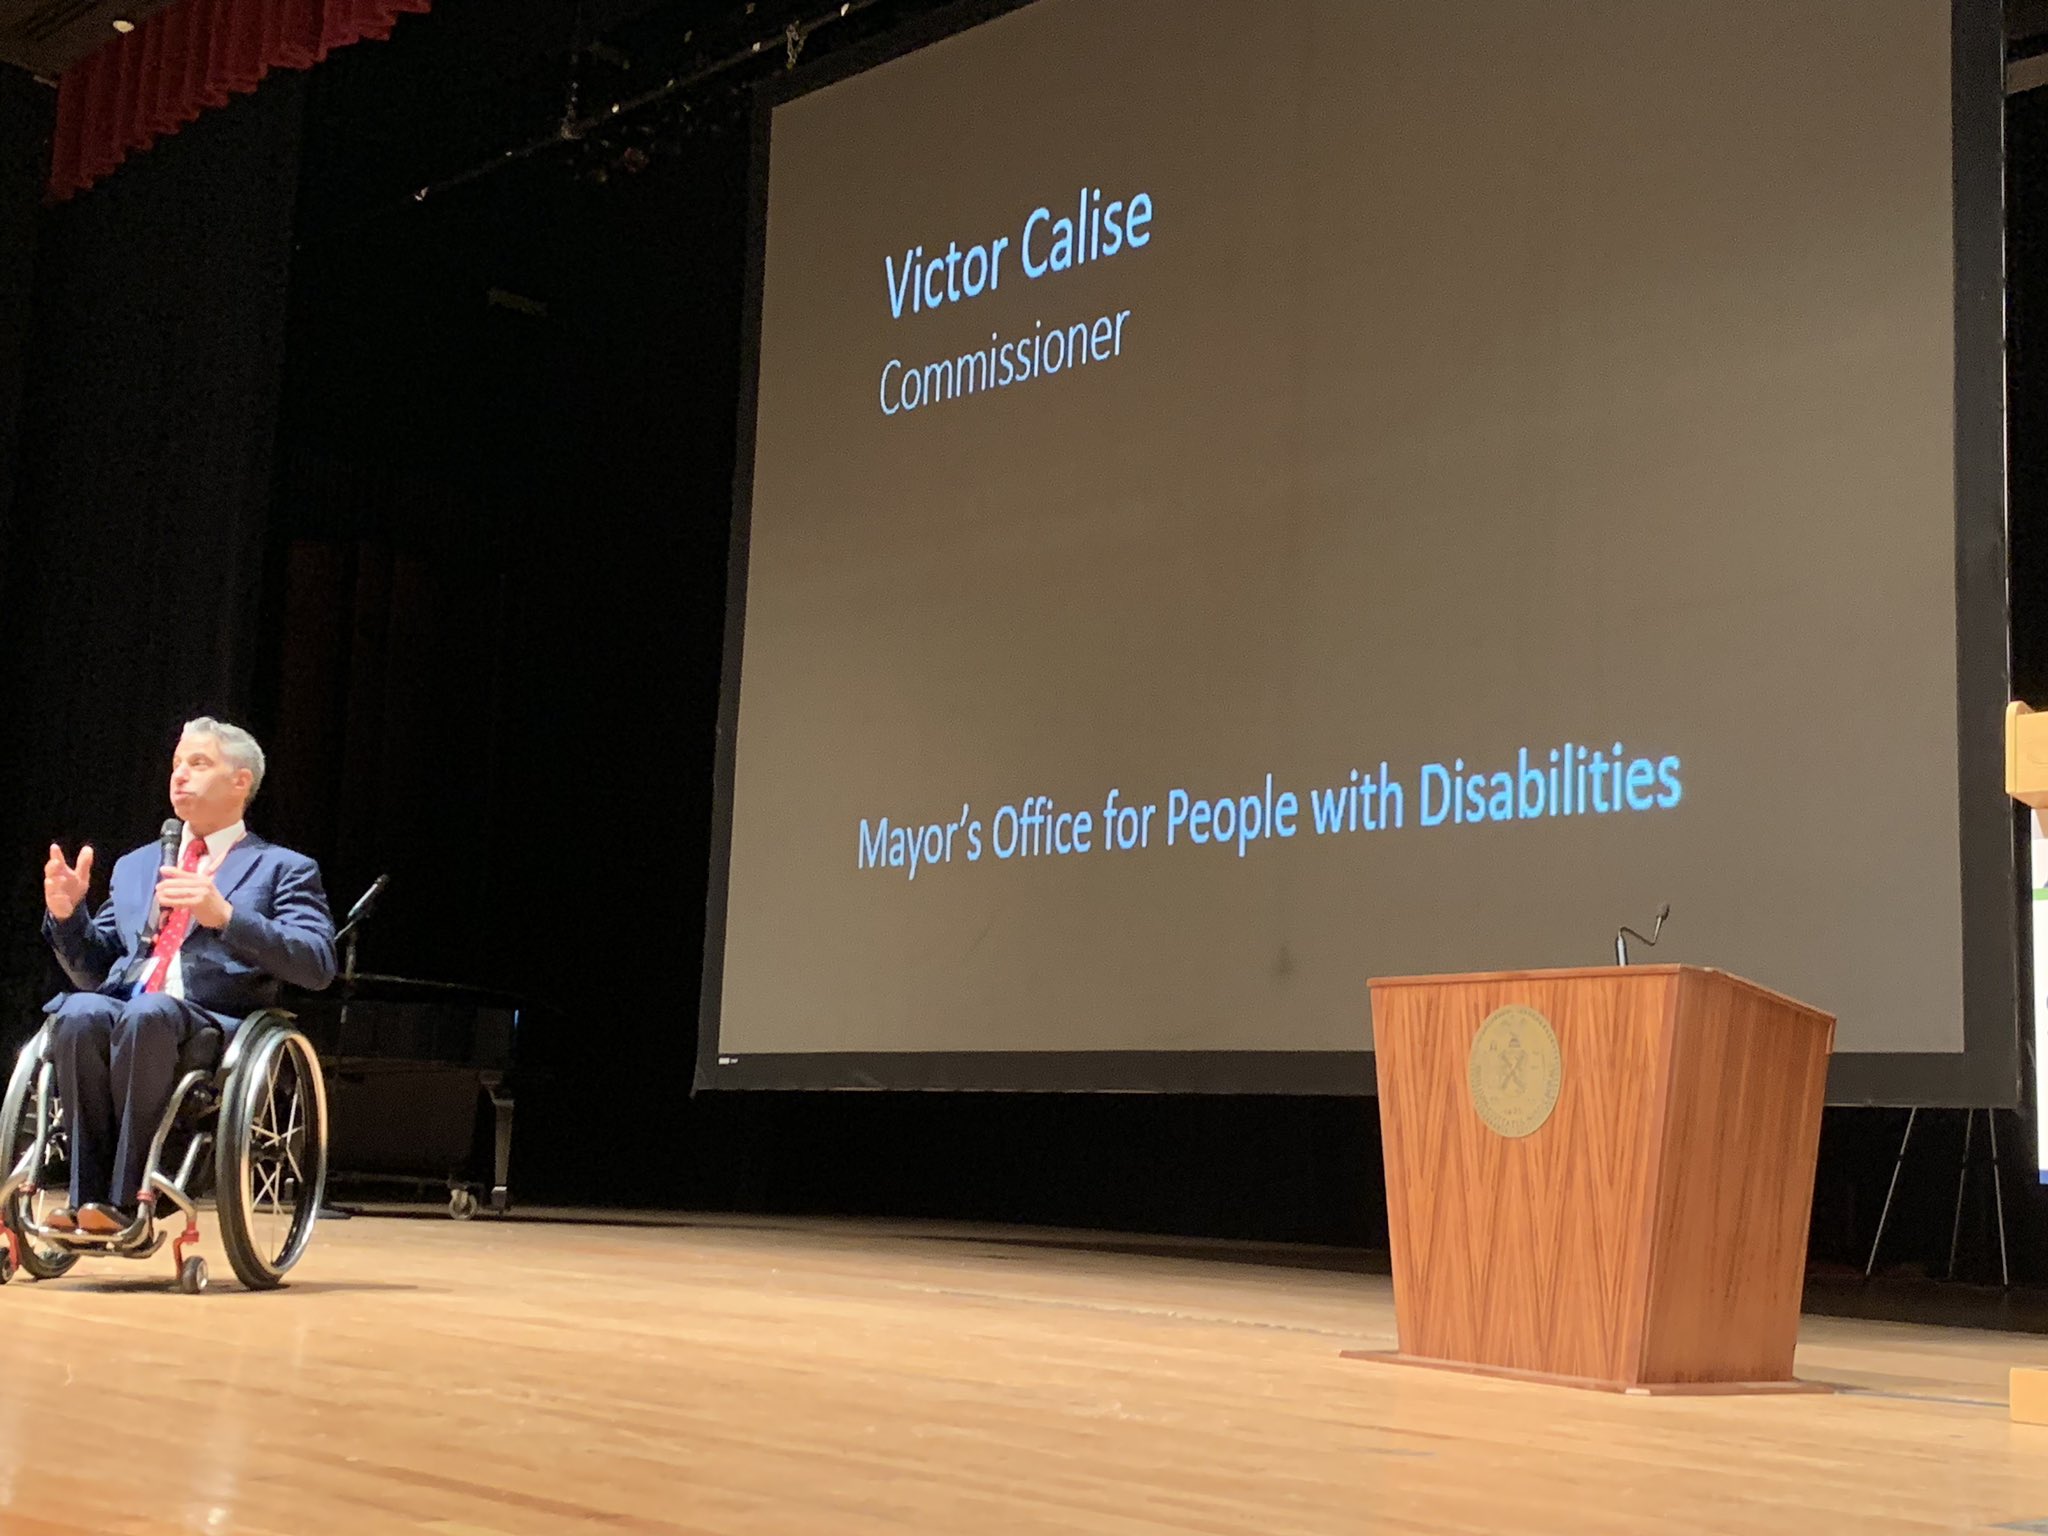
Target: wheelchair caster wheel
192 1275
461 1204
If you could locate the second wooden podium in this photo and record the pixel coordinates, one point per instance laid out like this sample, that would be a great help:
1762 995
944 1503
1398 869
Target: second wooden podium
1601 1177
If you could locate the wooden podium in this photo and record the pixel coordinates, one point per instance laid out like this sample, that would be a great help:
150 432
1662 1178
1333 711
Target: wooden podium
1600 1177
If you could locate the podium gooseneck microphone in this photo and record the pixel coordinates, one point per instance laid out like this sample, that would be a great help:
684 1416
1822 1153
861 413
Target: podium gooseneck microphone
1625 933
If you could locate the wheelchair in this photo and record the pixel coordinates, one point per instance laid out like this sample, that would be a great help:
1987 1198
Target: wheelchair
248 1117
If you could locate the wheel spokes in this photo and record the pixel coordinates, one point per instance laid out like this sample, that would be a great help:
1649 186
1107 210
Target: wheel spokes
275 1150
275 1179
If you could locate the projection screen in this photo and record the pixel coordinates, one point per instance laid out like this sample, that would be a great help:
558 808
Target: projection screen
1237 497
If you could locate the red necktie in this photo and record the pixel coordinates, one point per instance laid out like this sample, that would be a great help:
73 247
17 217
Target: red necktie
176 926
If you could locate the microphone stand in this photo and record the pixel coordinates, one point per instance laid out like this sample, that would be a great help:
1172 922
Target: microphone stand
351 929
347 936
351 925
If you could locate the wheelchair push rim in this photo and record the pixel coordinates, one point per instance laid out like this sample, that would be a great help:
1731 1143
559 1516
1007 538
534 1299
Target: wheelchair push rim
271 1157
30 1087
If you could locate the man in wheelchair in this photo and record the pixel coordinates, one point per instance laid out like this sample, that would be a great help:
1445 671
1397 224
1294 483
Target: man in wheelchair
181 953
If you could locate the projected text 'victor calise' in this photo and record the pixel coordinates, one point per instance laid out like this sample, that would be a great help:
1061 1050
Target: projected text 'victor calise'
924 279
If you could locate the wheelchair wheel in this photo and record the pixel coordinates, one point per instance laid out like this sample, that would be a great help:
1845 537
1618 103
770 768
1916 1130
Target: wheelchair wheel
17 1135
270 1158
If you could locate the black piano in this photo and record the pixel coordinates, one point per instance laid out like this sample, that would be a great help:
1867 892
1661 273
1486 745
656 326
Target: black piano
409 1065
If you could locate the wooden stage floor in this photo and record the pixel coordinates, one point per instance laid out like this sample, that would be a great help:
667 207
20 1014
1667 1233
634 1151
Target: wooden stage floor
844 1379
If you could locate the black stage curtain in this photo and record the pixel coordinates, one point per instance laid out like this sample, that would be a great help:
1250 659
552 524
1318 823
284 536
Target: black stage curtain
137 546
27 111
383 693
484 653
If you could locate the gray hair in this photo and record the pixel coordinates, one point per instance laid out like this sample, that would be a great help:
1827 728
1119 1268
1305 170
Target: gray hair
236 745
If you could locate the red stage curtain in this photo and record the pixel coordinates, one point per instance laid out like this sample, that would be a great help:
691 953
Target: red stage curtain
186 58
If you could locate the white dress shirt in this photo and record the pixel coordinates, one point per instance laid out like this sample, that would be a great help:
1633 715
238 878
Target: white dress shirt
217 847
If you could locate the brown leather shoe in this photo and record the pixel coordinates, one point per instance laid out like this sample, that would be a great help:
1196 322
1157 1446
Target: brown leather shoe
62 1219
100 1220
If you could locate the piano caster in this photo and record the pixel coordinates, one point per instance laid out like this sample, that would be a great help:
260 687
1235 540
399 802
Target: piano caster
462 1203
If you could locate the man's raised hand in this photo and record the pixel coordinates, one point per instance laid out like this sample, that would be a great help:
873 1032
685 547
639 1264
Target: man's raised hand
65 885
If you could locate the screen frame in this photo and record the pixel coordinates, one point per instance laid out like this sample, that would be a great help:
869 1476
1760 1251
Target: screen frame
1987 1072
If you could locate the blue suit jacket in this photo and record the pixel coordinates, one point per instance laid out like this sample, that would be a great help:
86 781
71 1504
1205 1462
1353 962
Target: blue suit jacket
281 932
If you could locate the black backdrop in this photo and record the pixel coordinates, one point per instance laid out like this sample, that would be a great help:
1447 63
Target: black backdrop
435 495
25 119
147 415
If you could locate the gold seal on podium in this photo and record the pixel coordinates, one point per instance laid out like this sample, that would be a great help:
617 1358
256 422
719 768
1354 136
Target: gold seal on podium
1514 1071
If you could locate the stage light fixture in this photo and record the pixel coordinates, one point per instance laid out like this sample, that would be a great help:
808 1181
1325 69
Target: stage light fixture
123 25
577 129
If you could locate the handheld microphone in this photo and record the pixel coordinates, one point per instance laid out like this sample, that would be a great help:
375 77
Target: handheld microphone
169 837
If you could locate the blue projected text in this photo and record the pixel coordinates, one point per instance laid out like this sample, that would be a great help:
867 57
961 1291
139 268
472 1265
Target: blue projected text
924 280
1567 781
